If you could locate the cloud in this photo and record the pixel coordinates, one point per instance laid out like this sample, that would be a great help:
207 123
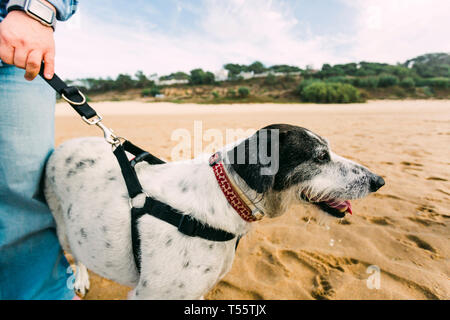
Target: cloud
228 31
393 31
217 32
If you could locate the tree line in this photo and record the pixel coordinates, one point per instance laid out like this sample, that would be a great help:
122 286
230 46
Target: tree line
427 70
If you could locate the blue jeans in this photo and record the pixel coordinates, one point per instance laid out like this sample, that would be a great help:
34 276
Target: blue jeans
32 263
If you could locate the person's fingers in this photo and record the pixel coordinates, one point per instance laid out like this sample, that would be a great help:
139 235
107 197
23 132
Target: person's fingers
49 60
6 53
33 65
20 57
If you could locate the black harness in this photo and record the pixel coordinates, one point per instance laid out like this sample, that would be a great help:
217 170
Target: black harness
185 224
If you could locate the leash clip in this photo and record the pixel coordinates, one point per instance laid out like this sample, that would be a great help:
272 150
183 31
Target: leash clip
108 133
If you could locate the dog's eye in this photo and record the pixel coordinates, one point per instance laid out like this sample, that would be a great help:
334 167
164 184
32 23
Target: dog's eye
323 156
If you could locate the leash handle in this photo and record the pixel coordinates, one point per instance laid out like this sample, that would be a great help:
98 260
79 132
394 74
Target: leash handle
71 94
78 102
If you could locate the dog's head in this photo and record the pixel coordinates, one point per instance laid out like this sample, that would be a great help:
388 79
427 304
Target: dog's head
285 163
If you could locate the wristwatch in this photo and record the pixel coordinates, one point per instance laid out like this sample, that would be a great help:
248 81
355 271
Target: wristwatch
35 9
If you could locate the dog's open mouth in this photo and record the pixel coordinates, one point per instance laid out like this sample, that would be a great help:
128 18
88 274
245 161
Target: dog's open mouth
336 208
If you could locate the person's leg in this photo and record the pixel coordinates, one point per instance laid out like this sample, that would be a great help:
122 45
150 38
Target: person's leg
32 264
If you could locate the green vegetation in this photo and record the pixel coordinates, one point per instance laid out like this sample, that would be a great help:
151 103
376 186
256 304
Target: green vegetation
243 92
150 92
198 76
329 92
421 77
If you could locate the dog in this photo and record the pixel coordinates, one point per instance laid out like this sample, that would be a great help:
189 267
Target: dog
87 195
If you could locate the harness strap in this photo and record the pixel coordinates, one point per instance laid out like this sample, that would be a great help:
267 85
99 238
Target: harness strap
129 174
141 155
185 224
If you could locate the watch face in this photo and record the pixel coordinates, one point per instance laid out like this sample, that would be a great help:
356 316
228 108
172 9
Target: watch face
41 11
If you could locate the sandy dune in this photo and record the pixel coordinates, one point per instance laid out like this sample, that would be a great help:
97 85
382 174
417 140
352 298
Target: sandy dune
403 230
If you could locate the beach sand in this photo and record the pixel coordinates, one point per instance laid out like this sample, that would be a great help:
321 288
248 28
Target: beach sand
402 231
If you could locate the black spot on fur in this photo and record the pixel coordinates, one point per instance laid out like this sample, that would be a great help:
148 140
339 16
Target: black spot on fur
70 173
343 170
83 233
186 264
104 229
207 270
69 212
112 179
144 283
211 246
184 186
212 211
108 245
68 160
169 242
181 285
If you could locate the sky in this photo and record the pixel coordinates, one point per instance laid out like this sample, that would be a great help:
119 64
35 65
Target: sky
105 38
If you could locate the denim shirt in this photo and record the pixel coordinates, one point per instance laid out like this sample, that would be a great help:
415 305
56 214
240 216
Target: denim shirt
64 8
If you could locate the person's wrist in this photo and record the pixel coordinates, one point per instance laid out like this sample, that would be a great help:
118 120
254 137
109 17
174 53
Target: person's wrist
22 13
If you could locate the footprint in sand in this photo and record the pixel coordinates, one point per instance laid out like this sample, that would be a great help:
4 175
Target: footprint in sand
436 179
425 222
411 164
320 265
421 243
323 289
268 267
382 221
236 292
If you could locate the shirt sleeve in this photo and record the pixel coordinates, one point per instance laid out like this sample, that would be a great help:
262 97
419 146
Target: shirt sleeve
64 8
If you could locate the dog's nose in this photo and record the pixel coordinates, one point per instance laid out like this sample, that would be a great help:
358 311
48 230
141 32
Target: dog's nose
376 183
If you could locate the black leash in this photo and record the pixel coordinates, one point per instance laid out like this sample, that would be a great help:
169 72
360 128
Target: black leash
185 224
71 94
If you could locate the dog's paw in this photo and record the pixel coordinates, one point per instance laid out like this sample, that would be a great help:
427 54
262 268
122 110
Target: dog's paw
81 284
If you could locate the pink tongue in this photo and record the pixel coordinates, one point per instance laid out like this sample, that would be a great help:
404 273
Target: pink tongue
341 205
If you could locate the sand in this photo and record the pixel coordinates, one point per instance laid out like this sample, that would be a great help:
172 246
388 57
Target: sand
395 246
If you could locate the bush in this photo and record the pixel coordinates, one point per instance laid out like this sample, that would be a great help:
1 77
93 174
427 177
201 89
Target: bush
387 81
231 93
303 85
243 92
215 94
150 92
270 80
198 76
340 79
367 82
407 83
325 92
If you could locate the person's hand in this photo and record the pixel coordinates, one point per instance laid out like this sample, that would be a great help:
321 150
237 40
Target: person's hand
25 43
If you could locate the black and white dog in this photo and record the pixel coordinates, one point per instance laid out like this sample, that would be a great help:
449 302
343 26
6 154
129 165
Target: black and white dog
88 197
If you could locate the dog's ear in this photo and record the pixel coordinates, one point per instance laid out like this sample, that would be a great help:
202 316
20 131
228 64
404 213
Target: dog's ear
256 159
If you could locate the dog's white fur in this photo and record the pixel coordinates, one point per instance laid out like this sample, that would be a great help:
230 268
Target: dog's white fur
97 231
